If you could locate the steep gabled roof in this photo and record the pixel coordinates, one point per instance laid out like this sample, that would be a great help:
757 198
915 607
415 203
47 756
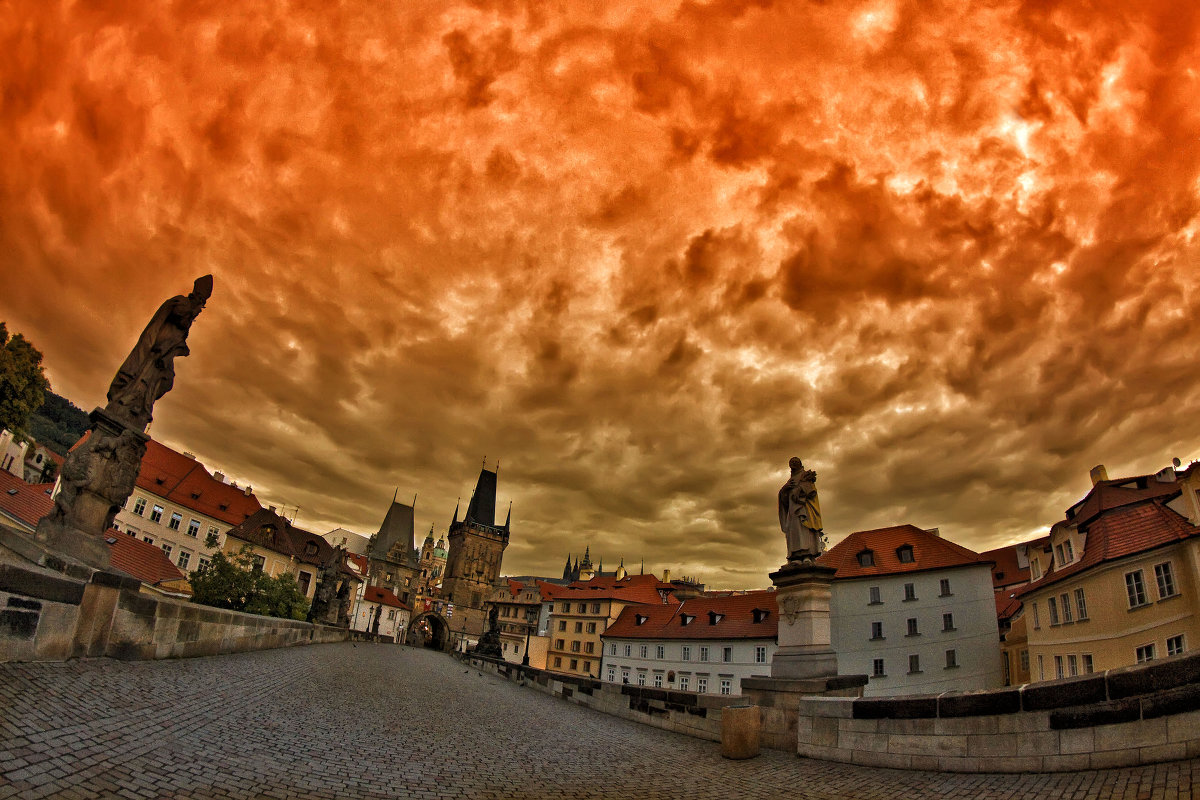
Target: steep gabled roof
482 508
24 504
929 552
753 615
398 527
144 561
1121 532
1107 495
267 529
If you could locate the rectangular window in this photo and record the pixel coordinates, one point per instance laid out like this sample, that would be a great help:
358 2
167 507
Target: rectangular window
166 549
562 625
628 650
877 668
589 647
1135 588
575 646
658 680
193 528
185 558
624 675
559 644
947 622
1065 599
1041 669
727 654
212 531
1035 568
760 654
701 685
595 608
876 630
612 674
575 664
684 683
1145 653
176 521
579 627
644 650
726 686
1061 558
591 627
1037 625
558 661
687 653
1087 664
1025 661
204 562
1175 645
660 652
1080 604
612 649
874 594
703 653
910 591
912 627
1165 579
1052 607
641 679
1058 667
566 607
951 659
1072 665
914 664
139 506
1069 550
944 583
156 514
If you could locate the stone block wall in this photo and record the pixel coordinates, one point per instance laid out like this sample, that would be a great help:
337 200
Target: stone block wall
1123 717
50 616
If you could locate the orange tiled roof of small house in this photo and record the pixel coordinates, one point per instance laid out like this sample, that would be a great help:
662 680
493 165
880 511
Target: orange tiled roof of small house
753 615
929 551
146 562
383 596
24 504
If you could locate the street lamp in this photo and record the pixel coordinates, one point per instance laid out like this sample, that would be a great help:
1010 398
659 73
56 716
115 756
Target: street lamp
528 630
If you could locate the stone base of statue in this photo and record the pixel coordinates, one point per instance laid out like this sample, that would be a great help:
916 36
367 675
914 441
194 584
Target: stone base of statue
805 650
97 477
489 645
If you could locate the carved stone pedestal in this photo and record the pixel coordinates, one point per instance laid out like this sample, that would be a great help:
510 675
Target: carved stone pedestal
805 649
97 477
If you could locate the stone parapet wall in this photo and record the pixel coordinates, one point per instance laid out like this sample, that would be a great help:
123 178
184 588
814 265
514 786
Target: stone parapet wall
50 616
1123 717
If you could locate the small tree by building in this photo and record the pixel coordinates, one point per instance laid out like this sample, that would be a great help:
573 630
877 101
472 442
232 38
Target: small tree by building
22 382
238 584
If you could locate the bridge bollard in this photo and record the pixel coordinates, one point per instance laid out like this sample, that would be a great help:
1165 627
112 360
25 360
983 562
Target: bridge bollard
741 728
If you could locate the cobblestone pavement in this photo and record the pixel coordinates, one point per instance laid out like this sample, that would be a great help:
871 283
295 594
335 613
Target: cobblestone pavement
373 720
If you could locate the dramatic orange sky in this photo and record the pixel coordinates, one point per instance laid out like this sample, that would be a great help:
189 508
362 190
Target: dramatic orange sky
946 252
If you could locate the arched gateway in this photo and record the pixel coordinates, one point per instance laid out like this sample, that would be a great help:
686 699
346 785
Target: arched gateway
429 629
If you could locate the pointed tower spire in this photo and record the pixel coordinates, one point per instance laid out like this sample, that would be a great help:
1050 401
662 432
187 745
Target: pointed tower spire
567 569
508 519
456 505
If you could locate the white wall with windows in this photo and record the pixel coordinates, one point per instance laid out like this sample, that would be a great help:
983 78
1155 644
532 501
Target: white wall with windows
712 666
918 632
179 531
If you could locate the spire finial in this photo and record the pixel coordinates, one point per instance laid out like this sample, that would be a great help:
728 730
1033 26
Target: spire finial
395 493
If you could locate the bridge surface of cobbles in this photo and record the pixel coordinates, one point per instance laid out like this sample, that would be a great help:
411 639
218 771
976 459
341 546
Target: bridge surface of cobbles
375 720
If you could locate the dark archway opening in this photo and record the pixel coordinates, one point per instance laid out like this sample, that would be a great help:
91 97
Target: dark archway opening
429 630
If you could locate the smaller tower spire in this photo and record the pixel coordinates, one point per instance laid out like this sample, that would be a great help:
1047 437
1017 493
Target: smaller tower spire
456 505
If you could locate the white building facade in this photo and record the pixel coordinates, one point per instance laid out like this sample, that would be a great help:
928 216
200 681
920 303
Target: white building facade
914 612
705 645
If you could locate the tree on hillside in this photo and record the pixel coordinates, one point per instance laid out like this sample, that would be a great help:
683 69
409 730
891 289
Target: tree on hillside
22 382
58 424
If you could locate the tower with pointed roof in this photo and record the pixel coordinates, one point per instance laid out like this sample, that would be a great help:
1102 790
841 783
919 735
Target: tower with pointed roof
476 550
392 554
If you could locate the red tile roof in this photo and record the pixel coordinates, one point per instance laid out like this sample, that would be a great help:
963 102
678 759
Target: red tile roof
144 561
1107 495
185 482
24 503
383 596
632 589
267 529
1121 532
929 552
1005 570
735 615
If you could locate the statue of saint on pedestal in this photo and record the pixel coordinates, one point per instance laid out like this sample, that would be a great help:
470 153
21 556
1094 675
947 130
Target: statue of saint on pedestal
149 371
800 514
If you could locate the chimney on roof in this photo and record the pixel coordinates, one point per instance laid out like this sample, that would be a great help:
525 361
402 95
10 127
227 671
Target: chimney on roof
249 490
934 532
1098 473
666 576
219 476
269 508
1165 475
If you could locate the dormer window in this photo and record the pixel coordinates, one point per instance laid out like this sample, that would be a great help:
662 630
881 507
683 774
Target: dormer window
686 619
640 619
160 481
267 530
195 495
714 617
759 614
310 549
866 558
905 553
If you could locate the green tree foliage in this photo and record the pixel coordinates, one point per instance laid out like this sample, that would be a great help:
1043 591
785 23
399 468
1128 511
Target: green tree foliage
58 424
238 584
22 382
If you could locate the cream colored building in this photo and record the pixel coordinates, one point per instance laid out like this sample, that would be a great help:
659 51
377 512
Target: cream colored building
1120 580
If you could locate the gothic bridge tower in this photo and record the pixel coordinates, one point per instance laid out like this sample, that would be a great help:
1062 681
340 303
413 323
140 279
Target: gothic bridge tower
476 549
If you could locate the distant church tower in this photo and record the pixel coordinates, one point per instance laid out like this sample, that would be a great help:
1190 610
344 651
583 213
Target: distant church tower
476 548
